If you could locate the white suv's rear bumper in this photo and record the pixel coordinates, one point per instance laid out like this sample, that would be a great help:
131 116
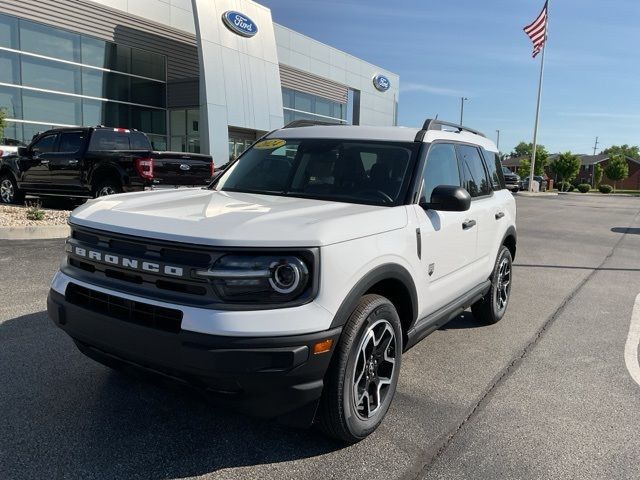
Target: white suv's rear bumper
309 318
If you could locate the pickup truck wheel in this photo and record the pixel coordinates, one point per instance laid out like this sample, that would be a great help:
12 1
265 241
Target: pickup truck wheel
493 306
107 187
9 191
364 371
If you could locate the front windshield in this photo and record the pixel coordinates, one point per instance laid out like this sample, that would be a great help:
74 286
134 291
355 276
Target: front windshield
375 173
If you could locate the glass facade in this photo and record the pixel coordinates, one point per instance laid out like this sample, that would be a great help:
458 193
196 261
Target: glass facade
51 77
304 106
185 134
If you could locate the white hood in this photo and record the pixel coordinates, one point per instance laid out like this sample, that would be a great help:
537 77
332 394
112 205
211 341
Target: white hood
208 217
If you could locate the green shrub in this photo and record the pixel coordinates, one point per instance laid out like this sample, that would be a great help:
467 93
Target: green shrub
604 188
584 187
34 212
565 187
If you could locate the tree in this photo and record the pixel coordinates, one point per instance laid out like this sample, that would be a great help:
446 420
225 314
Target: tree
524 150
624 150
616 169
566 166
524 169
597 174
3 116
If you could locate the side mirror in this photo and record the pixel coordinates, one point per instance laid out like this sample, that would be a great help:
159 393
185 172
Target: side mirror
449 198
23 151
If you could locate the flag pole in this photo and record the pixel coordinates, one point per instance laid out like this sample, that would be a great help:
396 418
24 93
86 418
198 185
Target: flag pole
535 128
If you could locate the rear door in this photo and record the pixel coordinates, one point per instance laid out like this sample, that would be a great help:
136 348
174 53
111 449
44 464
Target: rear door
483 207
64 165
35 166
448 247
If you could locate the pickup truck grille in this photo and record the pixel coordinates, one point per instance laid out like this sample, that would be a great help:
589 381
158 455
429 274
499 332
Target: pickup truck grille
141 266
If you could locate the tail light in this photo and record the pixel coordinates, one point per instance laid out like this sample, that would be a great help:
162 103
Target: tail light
144 167
2 153
212 167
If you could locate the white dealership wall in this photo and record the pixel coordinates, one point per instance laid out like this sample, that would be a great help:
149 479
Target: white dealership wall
241 75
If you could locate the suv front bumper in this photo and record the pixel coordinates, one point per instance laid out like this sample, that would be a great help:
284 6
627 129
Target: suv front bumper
262 376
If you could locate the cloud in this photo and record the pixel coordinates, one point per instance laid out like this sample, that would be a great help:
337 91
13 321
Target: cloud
425 88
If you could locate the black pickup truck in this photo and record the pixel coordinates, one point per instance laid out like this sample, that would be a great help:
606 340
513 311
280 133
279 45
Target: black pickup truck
96 161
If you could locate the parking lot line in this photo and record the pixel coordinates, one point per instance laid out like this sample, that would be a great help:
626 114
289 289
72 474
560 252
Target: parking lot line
633 340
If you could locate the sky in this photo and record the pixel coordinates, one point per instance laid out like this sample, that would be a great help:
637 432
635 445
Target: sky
476 48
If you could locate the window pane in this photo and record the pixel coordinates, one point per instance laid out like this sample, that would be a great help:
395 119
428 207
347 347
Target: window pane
51 75
148 120
48 107
287 98
44 145
9 67
109 140
116 115
147 92
8 32
92 113
441 169
158 142
324 107
32 129
193 144
147 64
49 41
71 142
94 52
178 123
304 102
193 120
474 177
495 169
12 132
113 86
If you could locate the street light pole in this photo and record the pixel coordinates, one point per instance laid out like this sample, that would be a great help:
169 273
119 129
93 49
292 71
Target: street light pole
462 100
498 141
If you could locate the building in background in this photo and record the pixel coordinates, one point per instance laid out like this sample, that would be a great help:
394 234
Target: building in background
135 64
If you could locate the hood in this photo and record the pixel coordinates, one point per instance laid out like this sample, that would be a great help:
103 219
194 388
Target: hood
208 217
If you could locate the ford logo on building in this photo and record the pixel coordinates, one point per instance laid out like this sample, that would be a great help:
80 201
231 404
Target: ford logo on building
239 23
381 83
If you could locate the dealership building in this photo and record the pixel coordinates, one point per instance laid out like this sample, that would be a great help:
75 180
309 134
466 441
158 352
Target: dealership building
195 75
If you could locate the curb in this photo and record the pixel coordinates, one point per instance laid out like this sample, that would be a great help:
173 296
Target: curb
537 194
34 233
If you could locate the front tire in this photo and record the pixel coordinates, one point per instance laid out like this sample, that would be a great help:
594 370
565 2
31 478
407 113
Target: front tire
493 306
9 191
364 372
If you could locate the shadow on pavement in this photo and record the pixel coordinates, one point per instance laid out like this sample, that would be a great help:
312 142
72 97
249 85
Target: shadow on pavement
629 230
463 322
64 415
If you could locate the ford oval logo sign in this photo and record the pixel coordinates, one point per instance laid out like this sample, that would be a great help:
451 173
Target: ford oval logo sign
239 23
381 83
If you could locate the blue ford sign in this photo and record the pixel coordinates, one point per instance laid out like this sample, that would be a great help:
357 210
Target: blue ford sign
381 83
239 23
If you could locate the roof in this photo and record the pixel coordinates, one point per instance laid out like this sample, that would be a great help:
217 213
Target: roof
392 134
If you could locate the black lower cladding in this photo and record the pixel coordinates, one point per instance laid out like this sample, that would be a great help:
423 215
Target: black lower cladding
262 376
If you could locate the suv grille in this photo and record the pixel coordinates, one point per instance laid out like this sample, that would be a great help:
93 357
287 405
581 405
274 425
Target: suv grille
140 313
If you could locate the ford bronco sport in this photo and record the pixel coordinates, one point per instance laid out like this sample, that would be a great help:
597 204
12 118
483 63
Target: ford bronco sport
293 284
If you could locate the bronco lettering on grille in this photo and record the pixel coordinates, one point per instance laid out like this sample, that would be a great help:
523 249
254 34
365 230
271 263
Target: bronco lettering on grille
129 263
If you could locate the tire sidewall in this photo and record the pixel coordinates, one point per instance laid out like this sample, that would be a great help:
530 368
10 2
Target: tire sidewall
14 199
498 314
108 183
359 427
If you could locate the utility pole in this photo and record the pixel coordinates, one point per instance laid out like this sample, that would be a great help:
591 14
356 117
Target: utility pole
498 141
462 100
595 147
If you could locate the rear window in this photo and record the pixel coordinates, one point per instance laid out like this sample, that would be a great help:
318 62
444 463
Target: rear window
102 140
495 168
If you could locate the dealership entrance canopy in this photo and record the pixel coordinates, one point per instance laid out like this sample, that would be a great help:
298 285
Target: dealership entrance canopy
198 76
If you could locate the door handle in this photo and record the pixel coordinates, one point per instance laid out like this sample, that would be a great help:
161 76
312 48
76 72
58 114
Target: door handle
73 162
44 161
499 215
466 225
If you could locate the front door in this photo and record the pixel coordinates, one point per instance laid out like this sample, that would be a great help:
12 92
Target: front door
448 239
35 165
65 164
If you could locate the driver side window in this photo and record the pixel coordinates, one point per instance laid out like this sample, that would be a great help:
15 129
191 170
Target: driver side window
44 145
441 169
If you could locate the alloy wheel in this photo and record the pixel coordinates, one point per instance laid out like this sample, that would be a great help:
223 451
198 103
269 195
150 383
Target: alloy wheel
374 369
504 284
6 191
106 190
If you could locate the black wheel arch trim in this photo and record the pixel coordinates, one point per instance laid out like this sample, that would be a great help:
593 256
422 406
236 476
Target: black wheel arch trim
388 271
114 170
511 232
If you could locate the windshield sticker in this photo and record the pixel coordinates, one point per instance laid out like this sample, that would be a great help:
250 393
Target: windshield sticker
270 144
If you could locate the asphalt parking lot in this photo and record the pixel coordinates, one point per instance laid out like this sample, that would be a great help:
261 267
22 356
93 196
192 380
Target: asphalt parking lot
546 393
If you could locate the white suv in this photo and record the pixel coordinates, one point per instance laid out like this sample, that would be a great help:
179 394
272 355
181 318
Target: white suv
292 285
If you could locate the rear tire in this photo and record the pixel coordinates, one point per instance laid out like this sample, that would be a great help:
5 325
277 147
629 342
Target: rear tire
9 191
493 306
107 187
362 379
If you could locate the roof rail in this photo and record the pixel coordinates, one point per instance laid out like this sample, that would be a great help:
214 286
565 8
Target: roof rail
309 123
435 124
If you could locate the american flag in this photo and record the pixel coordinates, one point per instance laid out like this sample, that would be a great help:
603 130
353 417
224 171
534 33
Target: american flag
537 31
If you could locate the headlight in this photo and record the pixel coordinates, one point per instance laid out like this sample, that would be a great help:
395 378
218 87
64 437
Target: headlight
259 278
